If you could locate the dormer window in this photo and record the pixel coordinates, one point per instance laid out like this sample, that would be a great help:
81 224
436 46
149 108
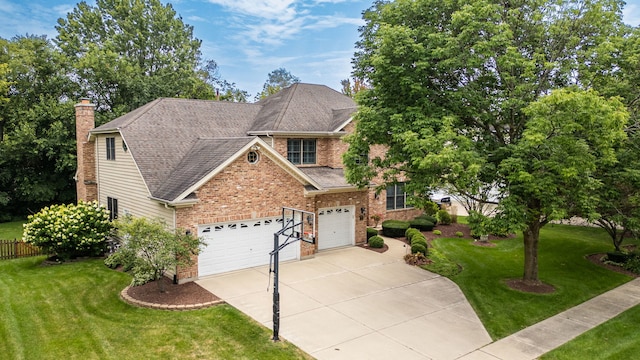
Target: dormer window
301 151
111 148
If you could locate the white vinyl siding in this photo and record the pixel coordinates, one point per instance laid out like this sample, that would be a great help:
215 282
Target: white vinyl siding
121 179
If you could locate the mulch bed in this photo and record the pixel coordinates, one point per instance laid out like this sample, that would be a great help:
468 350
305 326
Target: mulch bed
188 293
384 248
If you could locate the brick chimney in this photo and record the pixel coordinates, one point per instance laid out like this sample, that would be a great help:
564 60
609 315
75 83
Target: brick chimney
86 185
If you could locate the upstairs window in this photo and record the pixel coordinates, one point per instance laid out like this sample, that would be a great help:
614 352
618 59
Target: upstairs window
397 197
301 151
111 148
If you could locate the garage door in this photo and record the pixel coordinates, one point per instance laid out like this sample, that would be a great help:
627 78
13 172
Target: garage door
336 227
240 245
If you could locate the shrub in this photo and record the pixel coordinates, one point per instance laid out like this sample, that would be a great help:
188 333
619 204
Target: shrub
431 219
149 248
618 257
410 232
371 232
419 240
437 232
394 228
376 242
633 264
69 231
421 224
459 234
454 218
419 248
443 217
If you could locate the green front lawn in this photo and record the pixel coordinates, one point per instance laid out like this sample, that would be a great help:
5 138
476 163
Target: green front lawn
562 263
11 230
615 339
73 311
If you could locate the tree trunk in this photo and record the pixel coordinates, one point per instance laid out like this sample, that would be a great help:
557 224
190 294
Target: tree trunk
531 237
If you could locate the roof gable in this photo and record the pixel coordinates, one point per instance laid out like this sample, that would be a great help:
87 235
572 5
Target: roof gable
303 108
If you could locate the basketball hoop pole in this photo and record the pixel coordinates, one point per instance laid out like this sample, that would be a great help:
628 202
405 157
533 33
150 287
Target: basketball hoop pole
293 236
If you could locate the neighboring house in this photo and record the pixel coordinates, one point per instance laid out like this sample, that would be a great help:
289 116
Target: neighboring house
224 171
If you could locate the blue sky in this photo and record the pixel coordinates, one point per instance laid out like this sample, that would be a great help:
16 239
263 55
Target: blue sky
313 39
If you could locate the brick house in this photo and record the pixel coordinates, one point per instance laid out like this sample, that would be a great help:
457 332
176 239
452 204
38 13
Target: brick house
224 171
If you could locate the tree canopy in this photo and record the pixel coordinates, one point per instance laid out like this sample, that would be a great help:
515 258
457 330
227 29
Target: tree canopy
128 53
277 80
480 94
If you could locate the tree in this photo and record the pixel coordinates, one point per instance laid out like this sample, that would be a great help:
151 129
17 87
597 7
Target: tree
458 96
149 249
350 89
37 150
277 80
127 53
211 85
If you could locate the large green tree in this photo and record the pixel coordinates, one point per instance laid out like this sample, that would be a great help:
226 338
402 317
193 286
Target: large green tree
461 94
37 149
126 53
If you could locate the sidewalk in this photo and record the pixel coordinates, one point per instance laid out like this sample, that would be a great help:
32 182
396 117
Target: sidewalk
532 342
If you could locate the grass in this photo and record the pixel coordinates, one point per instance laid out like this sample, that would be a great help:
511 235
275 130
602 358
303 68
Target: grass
562 263
615 339
11 230
73 311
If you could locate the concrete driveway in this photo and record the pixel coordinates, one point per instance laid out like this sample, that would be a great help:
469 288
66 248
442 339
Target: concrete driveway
353 303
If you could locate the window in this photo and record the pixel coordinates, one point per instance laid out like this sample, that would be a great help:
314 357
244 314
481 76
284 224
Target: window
111 148
397 197
301 151
112 206
252 157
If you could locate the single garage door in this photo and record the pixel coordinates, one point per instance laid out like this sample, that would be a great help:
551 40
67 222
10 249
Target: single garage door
336 227
240 245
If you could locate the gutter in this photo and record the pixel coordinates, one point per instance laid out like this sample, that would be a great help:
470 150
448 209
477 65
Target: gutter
297 133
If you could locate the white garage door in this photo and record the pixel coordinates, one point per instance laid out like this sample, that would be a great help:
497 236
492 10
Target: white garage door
240 245
336 227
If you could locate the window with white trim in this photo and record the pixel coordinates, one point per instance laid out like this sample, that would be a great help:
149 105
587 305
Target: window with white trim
111 148
397 197
112 206
301 151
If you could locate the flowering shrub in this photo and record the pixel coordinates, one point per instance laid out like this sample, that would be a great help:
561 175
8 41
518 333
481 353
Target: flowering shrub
69 231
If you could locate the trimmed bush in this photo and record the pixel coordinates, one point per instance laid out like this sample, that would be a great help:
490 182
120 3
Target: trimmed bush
431 219
443 217
419 248
419 240
371 232
394 228
459 234
410 232
437 232
69 231
618 257
421 224
376 242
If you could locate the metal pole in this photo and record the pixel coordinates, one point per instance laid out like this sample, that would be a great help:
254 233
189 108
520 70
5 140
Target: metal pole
276 294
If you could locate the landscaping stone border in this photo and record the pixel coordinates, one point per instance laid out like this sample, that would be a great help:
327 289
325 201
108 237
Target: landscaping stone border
125 296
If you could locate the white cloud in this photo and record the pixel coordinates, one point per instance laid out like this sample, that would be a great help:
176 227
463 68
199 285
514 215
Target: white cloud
282 10
196 18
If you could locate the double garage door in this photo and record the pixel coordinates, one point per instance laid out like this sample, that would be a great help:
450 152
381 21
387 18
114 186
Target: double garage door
245 244
240 245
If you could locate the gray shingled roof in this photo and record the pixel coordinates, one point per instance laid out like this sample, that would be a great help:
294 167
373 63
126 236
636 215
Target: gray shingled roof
205 156
327 177
175 142
304 107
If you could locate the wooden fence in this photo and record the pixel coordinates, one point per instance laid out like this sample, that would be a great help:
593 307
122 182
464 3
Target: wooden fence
13 249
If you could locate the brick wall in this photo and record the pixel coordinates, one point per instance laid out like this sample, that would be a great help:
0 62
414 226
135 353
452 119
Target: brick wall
86 186
243 191
357 198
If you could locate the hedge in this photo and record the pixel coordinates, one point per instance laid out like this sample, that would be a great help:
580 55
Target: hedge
394 228
371 232
421 224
